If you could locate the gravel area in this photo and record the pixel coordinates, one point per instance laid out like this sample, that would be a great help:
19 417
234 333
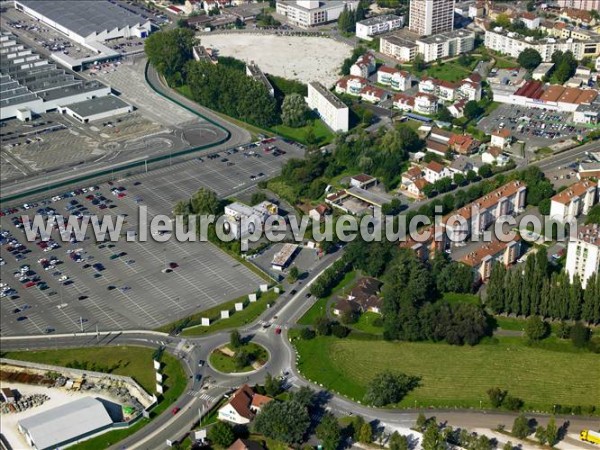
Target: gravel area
315 58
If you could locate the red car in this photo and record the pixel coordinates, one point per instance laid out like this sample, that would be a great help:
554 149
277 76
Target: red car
173 265
278 330
175 410
30 283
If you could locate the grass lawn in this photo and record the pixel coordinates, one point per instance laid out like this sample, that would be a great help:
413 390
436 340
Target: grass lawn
451 297
448 71
322 133
135 362
365 323
452 375
236 318
318 309
214 314
226 364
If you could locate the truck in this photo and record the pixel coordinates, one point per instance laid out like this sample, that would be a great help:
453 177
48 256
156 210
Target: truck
590 436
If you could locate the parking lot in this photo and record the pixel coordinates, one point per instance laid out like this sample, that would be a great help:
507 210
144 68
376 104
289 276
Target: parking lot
123 285
536 127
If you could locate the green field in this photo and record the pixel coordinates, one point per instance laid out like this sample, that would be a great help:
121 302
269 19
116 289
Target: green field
365 324
237 318
226 364
135 362
455 376
452 297
323 134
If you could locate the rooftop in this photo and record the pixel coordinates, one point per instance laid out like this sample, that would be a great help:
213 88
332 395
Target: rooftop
330 96
58 425
590 234
85 17
283 255
575 190
442 37
379 19
485 251
98 105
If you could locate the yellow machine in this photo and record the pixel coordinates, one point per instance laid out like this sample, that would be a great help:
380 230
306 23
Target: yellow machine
590 436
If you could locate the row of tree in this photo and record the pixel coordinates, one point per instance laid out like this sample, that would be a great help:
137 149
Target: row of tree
539 290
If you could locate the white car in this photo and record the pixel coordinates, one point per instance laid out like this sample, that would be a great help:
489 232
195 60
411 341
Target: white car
63 278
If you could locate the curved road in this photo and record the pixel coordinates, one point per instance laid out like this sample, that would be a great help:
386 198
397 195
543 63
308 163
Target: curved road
284 313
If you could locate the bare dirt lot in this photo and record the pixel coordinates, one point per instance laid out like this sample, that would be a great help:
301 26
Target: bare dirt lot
315 58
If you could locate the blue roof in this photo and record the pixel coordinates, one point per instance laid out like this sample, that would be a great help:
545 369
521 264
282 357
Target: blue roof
418 117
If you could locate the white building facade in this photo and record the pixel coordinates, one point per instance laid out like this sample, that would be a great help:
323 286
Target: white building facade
331 109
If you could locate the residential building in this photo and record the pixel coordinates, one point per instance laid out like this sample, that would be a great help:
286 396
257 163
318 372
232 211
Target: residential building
446 45
494 156
530 19
463 144
426 248
469 89
587 5
513 44
366 29
351 85
425 104
416 188
462 165
243 405
252 70
435 171
478 215
482 259
429 17
319 213
245 444
404 102
373 94
363 297
588 170
583 253
577 199
364 66
501 138
401 48
310 13
457 109
399 80
331 109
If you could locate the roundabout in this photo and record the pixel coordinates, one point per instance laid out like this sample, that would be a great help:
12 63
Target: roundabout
248 358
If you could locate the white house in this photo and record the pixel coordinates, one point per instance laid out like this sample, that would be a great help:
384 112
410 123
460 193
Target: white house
435 171
373 94
243 405
351 85
494 156
399 80
501 138
425 104
373 26
530 19
364 66
404 102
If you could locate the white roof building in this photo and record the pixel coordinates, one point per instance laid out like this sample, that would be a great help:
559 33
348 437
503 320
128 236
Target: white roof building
65 424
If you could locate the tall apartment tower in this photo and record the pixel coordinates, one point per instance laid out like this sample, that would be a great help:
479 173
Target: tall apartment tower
429 17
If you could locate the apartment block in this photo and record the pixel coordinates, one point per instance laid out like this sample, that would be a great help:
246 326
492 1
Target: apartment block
583 253
401 48
429 17
366 29
310 13
575 200
331 109
446 45
480 214
482 259
399 80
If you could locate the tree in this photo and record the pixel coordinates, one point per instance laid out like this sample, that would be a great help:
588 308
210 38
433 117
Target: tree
473 110
283 421
536 329
169 51
398 442
304 396
294 111
293 274
221 434
241 359
258 197
419 63
552 432
508 446
365 434
529 58
459 179
521 427
540 435
432 438
421 422
388 388
496 396
513 403
580 335
485 171
444 115
307 334
323 326
205 201
329 432
235 339
273 385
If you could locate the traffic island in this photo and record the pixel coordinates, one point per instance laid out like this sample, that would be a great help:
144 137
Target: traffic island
248 357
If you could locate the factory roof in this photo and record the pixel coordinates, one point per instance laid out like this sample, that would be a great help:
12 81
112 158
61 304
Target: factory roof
85 17
64 423
97 105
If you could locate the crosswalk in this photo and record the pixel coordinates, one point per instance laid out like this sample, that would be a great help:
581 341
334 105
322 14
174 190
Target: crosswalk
202 396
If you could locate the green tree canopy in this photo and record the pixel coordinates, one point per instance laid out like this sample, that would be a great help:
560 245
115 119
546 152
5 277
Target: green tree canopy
283 421
388 388
169 51
294 111
529 58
